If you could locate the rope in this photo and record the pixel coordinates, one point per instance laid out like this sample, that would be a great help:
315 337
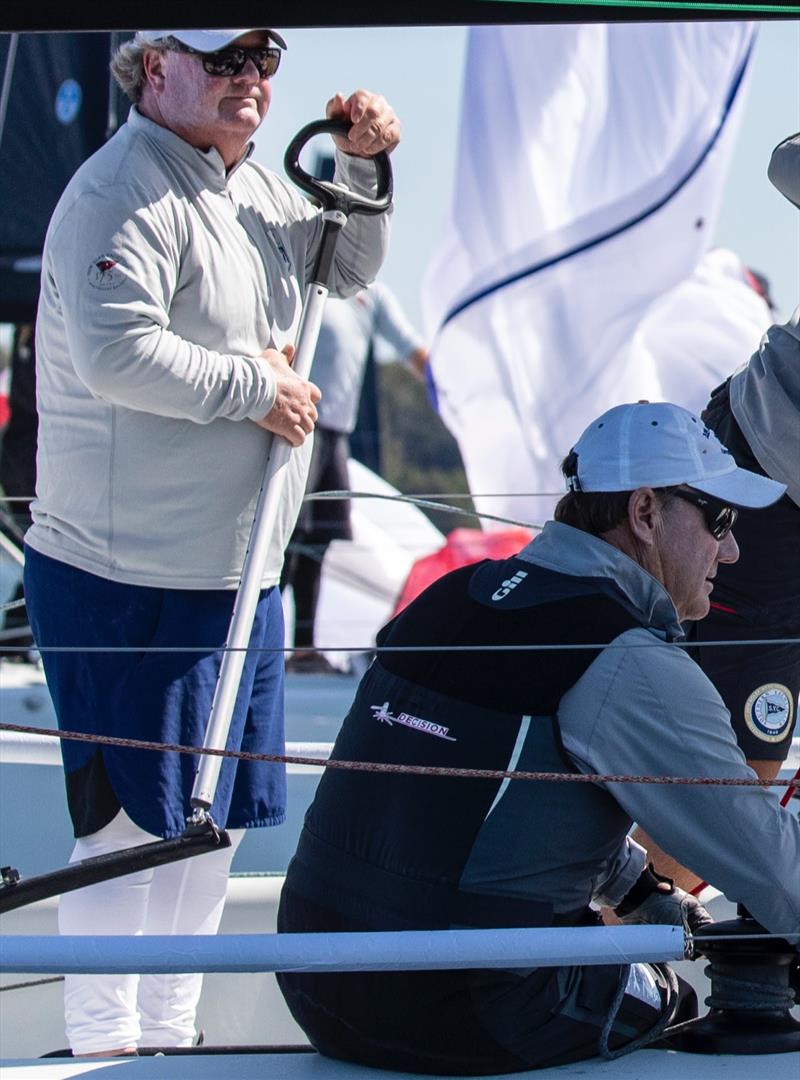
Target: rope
384 767
658 1028
766 989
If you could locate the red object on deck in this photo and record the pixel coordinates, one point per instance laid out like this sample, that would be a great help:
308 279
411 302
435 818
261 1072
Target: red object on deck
5 400
463 546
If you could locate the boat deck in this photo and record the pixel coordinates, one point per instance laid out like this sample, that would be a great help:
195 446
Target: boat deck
237 1010
642 1065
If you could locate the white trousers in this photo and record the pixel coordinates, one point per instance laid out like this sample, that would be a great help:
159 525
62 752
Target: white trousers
108 1012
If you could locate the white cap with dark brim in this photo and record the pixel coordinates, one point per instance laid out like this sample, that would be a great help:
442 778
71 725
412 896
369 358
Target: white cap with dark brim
205 41
655 444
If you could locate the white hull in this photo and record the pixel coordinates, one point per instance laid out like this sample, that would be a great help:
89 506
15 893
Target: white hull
235 1009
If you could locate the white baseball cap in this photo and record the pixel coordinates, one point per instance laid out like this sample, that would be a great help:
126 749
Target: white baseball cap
205 41
655 444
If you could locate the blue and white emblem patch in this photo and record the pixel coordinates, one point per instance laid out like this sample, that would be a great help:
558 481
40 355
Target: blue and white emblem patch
768 712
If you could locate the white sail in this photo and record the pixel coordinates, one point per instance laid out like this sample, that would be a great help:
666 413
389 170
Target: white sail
575 271
362 578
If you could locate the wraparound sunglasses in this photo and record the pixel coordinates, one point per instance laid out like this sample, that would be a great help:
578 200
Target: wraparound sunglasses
719 517
231 61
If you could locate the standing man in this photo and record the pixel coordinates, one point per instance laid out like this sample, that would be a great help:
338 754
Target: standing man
347 337
634 550
173 277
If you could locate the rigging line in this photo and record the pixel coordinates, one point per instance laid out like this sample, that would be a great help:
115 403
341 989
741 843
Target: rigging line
379 649
487 495
33 982
416 494
617 230
423 502
417 501
415 770
12 605
9 546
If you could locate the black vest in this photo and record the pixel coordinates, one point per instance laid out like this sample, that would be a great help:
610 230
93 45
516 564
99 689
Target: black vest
391 850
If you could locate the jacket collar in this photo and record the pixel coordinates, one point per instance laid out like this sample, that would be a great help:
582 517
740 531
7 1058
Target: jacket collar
208 164
571 551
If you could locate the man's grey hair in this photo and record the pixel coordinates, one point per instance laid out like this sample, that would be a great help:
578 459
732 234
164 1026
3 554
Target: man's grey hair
127 64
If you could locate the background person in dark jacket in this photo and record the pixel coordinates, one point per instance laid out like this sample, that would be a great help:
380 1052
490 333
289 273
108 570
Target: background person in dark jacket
756 414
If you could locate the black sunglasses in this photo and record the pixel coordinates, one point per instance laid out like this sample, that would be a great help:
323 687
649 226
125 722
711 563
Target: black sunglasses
231 61
719 517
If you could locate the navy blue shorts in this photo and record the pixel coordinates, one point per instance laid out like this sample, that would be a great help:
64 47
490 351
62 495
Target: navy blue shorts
156 696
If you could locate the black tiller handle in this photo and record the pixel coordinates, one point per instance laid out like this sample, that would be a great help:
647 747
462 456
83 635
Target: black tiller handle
334 196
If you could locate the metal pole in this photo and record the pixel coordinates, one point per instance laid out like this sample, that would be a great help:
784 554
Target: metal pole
266 517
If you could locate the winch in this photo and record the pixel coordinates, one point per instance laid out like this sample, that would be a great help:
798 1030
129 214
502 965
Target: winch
755 982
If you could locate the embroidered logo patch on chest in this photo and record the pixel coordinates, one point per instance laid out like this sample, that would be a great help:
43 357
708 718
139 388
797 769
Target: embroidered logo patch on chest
427 727
768 712
104 273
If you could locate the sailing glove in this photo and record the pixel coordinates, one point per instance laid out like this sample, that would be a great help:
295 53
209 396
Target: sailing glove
656 899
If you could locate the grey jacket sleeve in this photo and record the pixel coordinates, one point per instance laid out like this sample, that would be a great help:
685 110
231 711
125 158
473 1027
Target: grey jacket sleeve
622 873
650 710
765 399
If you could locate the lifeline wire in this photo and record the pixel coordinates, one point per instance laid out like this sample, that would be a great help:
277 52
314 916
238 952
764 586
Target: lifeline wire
383 767
378 649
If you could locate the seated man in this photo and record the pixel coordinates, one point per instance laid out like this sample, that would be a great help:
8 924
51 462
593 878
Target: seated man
633 551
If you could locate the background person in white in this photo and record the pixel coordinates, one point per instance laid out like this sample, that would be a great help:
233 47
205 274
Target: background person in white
350 329
173 275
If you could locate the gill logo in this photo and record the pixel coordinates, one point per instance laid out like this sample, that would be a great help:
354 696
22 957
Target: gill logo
509 584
